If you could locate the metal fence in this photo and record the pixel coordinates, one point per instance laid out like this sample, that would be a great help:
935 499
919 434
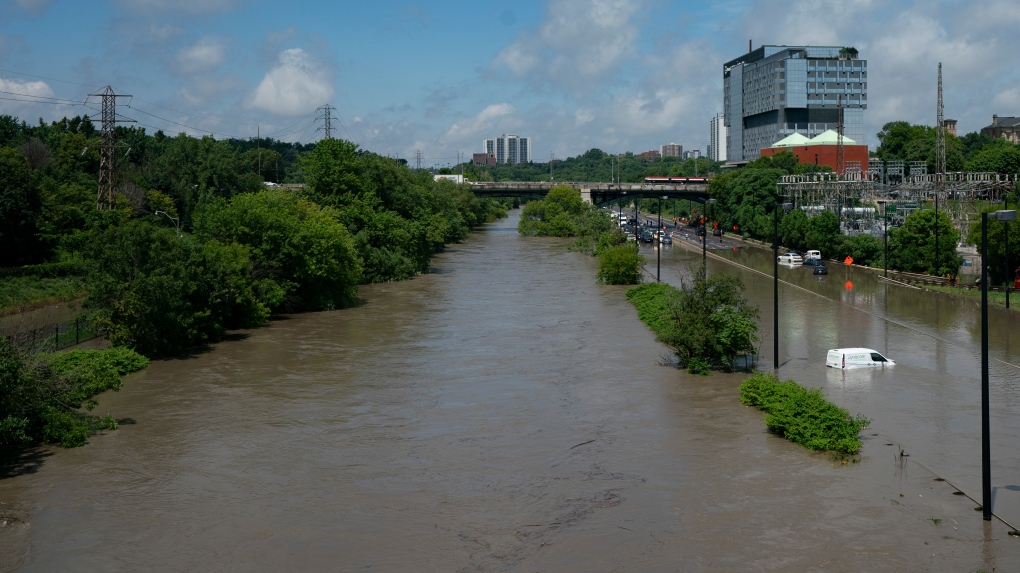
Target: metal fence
53 337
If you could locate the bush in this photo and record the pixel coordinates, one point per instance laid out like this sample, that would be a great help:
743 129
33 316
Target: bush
803 416
620 265
652 303
46 397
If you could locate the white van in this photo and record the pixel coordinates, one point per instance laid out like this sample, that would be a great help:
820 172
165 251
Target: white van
845 358
813 255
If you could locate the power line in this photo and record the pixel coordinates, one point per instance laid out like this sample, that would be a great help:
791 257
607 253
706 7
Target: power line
90 86
53 99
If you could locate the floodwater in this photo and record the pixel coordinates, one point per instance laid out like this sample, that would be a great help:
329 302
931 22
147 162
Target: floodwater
505 413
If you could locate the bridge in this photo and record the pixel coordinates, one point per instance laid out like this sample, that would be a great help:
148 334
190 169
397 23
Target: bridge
596 193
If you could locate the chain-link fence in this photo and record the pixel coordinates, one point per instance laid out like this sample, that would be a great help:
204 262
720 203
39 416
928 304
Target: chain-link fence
54 337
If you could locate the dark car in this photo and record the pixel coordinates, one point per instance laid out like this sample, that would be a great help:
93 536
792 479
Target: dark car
646 237
813 263
820 269
666 240
716 232
701 231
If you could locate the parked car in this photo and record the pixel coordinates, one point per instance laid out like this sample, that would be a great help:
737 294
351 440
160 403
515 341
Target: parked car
813 262
846 358
820 269
791 257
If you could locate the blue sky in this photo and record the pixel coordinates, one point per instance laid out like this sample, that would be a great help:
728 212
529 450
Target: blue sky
620 75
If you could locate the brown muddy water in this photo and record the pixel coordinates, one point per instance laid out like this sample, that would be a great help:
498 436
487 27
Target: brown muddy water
505 413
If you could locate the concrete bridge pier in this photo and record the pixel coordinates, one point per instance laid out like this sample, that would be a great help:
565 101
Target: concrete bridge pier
586 195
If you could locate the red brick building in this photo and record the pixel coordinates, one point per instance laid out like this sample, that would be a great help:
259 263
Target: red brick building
821 150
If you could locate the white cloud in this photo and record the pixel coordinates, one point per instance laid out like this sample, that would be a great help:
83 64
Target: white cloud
34 6
295 86
21 104
26 88
204 55
495 118
580 42
190 7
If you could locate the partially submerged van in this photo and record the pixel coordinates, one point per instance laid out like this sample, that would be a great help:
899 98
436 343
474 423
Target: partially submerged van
845 358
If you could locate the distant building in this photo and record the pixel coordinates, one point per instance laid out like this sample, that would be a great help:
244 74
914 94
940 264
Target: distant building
484 159
821 150
692 154
1007 128
950 126
509 148
650 154
717 138
775 91
671 150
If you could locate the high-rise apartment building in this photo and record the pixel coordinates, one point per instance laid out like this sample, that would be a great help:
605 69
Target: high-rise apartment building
775 91
717 138
508 148
671 150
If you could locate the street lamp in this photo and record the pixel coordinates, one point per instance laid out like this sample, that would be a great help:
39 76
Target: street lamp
658 248
176 221
885 239
986 463
704 237
775 282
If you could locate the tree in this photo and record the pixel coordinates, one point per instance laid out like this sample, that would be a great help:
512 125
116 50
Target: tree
20 208
709 319
332 172
996 255
297 244
912 246
620 265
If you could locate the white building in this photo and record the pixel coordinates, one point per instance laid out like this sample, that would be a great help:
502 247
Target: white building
717 138
509 148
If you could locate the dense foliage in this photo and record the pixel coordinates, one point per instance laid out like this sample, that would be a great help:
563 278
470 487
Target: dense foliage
803 416
48 397
620 265
706 322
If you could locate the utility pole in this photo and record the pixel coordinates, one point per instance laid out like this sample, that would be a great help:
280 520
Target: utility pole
327 121
107 146
417 160
551 166
840 158
940 164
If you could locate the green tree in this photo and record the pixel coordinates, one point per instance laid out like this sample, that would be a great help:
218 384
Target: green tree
620 265
20 208
294 242
996 254
912 246
332 172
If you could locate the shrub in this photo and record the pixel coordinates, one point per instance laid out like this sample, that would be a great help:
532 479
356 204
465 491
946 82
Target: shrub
803 416
620 265
47 397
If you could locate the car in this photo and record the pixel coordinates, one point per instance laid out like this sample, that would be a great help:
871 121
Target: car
646 237
701 231
791 257
820 270
812 255
813 262
717 232
847 358
666 239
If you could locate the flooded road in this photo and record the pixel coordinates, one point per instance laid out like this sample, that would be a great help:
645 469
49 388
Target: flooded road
505 413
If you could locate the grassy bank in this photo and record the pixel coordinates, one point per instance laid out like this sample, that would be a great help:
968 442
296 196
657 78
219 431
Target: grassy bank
20 294
803 416
994 298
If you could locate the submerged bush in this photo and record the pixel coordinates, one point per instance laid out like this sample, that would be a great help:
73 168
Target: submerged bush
620 265
802 415
47 397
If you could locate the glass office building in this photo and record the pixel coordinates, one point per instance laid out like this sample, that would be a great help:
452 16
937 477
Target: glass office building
775 91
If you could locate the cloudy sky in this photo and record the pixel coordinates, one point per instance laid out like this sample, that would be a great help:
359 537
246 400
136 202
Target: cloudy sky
439 76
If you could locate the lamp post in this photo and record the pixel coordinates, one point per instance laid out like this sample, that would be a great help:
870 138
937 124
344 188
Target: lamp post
704 236
885 240
986 457
775 282
176 221
658 248
1006 205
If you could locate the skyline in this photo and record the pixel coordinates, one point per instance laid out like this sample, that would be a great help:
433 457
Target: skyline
619 75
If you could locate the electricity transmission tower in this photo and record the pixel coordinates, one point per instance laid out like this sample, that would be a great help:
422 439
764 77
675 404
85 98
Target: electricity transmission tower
107 145
940 162
327 120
